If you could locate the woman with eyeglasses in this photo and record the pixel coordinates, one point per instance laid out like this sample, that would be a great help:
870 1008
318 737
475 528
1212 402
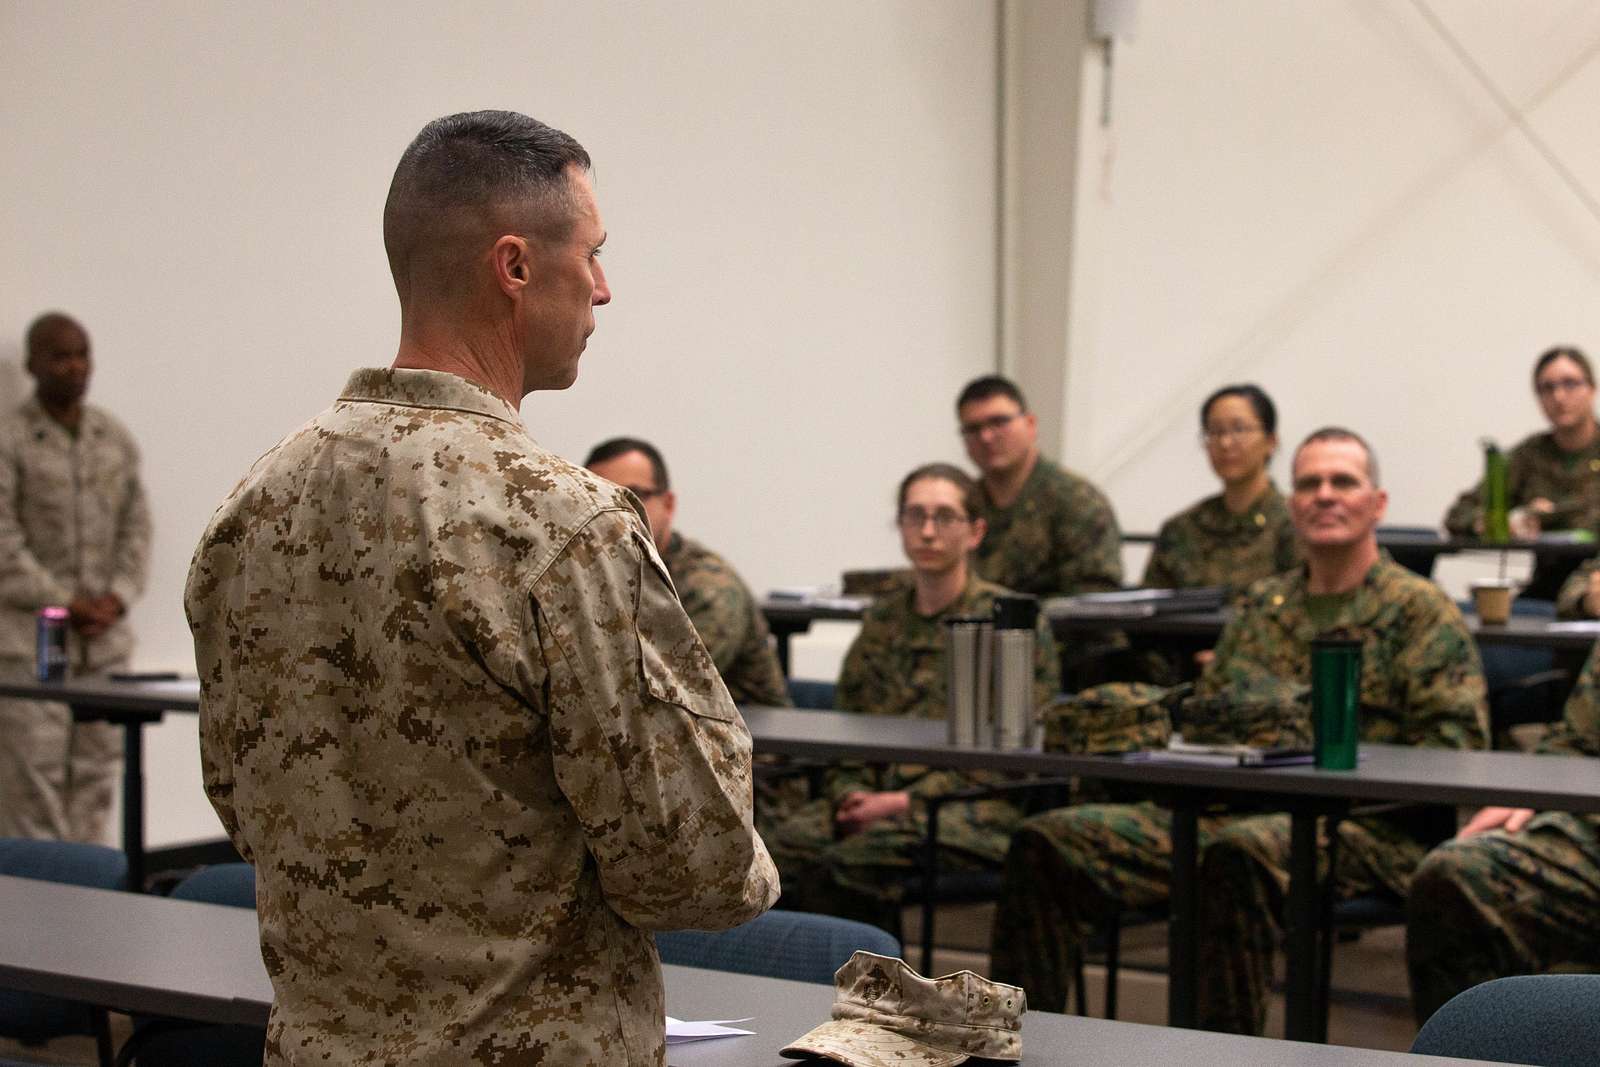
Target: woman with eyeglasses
1243 533
850 852
1552 478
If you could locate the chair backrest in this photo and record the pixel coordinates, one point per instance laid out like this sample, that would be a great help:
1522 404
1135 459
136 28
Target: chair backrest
68 862
807 693
796 945
233 884
28 1016
1547 1020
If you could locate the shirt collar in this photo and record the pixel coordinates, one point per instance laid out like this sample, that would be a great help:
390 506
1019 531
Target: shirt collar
426 389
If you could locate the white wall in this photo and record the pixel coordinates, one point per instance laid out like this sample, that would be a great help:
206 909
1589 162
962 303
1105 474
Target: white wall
800 198
1318 197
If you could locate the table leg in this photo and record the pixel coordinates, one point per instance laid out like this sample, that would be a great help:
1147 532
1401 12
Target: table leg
133 803
1183 923
1300 921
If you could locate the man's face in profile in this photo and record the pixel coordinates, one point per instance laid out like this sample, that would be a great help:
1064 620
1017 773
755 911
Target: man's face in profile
567 284
60 365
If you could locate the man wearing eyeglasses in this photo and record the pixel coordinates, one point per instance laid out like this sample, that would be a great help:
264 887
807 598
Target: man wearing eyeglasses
1070 870
711 591
1051 532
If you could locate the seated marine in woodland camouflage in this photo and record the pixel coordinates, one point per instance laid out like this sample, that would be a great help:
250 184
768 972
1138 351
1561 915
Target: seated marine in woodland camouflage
1070 869
716 599
848 851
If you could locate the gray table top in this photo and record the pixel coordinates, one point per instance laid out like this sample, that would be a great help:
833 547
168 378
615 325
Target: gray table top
154 955
1386 772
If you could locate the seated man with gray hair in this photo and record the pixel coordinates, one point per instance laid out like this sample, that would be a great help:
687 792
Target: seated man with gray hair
1069 870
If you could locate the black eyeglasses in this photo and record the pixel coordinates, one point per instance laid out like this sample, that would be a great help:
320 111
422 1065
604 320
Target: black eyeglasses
993 422
643 492
943 519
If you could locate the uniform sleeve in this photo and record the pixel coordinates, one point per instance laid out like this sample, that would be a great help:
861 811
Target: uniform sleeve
210 625
720 611
1091 561
1578 732
130 564
24 582
648 748
1569 602
1238 662
1462 518
1158 572
1446 703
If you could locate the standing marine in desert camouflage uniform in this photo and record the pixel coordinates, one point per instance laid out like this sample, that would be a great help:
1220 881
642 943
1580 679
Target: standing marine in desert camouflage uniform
74 532
450 707
848 851
1553 478
1069 870
1243 533
1515 892
717 600
1051 533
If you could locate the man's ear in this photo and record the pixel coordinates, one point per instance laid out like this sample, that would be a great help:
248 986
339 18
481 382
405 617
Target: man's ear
512 264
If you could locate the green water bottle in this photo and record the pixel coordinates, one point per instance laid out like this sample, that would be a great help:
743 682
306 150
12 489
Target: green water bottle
1496 508
1335 702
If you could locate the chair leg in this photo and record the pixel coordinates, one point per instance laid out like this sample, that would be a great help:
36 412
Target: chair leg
1113 961
930 887
102 1038
1324 982
1082 990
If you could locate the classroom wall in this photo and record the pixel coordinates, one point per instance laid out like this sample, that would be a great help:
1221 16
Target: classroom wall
1321 197
800 198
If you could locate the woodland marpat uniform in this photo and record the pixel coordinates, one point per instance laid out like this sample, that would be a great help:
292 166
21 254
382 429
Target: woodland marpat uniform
1068 870
1537 467
1208 545
726 618
896 666
1057 538
453 713
73 520
1498 903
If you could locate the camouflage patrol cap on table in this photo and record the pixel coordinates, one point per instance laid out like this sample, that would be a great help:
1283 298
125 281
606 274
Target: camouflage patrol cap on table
887 1015
1270 713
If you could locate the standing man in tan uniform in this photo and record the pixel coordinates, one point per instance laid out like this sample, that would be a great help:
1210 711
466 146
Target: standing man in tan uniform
712 593
450 707
74 532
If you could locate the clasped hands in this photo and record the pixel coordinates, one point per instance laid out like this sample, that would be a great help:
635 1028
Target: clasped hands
92 616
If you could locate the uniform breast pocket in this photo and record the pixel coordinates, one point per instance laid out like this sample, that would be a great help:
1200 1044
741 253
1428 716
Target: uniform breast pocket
676 666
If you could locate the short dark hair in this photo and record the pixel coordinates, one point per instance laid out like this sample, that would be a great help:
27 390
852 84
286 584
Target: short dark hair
462 169
45 324
1258 400
621 446
1339 433
990 385
1556 353
957 477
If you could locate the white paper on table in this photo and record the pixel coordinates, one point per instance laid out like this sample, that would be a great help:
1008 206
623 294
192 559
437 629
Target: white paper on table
679 1031
1577 626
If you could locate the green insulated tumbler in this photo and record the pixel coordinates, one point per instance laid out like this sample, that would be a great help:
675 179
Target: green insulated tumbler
1496 506
1335 700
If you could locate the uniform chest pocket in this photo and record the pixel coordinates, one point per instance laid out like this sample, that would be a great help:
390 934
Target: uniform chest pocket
676 666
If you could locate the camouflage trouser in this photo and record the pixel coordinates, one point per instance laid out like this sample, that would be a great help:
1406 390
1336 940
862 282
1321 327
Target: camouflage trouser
1499 904
57 777
1067 873
863 876
1071 869
1244 881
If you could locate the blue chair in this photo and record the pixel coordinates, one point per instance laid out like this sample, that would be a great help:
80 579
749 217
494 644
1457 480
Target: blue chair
796 945
807 693
179 1043
28 1017
1547 1020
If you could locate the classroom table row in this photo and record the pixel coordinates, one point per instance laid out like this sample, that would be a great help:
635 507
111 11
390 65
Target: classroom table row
1076 618
1385 773
178 958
